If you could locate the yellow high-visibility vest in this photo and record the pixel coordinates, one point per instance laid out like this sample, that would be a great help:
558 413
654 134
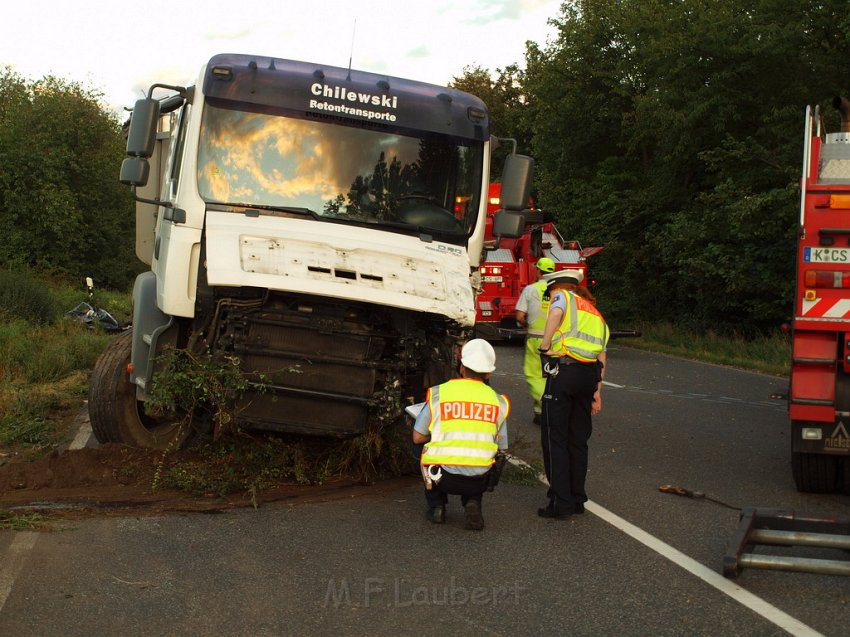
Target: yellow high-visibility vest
583 333
466 416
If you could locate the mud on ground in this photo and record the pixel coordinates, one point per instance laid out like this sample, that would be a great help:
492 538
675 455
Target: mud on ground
116 479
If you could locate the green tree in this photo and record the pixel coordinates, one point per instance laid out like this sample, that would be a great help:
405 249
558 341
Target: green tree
670 132
61 205
505 101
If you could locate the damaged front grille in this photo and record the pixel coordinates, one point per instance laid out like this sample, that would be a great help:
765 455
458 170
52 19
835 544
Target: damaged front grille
319 367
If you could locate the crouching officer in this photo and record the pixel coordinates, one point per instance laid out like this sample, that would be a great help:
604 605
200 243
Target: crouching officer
461 428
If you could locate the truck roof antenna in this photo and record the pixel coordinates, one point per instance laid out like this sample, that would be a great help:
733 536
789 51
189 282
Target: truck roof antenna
351 54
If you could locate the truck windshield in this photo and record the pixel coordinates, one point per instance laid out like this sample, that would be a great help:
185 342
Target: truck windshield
341 172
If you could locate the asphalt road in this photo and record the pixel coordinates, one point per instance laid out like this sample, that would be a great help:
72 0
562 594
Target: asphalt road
372 565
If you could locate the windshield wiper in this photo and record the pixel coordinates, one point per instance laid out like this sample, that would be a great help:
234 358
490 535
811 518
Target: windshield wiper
299 211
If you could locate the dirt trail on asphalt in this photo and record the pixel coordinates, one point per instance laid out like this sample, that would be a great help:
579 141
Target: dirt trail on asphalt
116 479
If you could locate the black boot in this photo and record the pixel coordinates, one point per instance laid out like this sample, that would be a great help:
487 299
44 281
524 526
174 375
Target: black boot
437 515
555 513
474 519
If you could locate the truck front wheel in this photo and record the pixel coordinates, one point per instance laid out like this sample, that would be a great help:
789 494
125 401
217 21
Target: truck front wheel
114 412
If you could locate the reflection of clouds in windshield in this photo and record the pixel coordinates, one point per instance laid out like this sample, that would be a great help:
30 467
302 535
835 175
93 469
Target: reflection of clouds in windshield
268 156
282 161
219 187
213 181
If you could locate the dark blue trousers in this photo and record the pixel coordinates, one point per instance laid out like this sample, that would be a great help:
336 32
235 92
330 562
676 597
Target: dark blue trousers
565 428
467 487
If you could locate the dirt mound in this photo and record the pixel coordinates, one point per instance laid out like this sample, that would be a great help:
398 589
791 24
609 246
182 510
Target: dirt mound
115 478
110 465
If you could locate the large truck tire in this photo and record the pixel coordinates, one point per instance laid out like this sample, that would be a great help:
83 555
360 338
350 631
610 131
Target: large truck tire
814 472
114 412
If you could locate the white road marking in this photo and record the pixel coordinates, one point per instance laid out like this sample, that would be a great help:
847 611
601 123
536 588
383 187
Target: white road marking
774 615
13 562
740 595
82 437
719 400
519 462
668 393
24 541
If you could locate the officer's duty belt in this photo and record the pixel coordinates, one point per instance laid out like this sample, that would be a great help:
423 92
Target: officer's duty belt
569 360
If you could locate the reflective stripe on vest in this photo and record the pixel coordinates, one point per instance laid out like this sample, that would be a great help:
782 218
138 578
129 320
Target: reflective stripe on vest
466 416
536 328
583 333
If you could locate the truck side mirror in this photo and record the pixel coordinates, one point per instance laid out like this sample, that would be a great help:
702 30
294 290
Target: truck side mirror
508 223
135 171
516 182
141 137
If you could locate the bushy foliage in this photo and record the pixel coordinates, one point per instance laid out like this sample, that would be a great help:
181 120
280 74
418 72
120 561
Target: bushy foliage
45 358
504 99
670 131
25 298
61 205
199 388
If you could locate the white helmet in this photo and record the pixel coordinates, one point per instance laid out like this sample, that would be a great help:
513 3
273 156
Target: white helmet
479 356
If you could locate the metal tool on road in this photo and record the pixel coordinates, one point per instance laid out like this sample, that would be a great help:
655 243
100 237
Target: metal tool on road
789 529
696 495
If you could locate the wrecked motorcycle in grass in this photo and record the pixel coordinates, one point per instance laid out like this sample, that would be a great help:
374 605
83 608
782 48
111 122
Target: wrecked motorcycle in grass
88 313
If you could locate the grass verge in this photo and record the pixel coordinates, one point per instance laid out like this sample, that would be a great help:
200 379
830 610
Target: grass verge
523 474
766 354
45 357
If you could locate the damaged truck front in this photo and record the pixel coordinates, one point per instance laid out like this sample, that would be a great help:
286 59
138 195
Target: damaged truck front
302 221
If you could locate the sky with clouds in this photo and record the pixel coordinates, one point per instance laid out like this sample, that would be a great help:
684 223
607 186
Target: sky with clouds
120 48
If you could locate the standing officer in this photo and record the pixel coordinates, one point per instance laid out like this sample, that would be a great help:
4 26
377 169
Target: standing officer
531 308
460 429
573 354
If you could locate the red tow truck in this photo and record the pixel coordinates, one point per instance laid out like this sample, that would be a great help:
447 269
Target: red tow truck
819 394
509 266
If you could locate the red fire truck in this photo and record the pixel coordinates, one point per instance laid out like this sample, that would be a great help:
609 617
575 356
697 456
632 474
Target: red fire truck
509 266
819 395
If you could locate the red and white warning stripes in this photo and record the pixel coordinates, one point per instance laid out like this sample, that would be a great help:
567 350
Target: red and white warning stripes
823 308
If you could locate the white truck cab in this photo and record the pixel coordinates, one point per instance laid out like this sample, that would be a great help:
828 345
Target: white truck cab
320 225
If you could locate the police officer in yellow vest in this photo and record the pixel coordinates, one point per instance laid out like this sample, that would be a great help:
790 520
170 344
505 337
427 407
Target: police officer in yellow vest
573 358
461 428
531 308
